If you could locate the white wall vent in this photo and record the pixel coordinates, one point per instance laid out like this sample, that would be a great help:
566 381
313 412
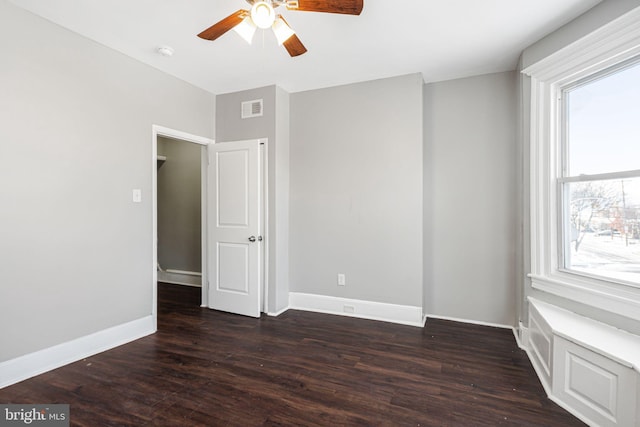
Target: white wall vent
252 108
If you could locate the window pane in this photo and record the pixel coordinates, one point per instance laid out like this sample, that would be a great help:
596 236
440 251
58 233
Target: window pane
604 124
603 235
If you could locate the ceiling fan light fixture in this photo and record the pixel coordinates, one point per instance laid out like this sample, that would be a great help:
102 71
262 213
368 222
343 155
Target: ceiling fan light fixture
246 29
282 30
262 14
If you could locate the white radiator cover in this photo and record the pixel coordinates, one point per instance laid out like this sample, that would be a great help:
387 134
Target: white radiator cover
589 368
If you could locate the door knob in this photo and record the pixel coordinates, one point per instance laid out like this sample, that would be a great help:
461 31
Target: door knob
253 238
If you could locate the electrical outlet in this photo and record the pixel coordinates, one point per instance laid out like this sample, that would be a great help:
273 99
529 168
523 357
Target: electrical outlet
136 195
341 280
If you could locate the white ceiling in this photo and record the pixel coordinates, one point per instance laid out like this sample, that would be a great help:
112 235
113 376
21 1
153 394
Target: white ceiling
442 39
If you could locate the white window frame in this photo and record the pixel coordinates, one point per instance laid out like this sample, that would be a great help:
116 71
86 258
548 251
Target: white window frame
608 46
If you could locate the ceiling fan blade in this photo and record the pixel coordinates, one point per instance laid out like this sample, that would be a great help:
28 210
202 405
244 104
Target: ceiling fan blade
294 46
218 29
348 7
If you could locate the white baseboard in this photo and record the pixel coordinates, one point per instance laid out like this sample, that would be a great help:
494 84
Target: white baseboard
394 313
184 272
522 336
277 313
176 277
472 322
32 364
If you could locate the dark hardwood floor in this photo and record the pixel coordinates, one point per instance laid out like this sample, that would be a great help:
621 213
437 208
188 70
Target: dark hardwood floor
206 368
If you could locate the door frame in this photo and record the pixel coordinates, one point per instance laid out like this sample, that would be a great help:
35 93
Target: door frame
161 131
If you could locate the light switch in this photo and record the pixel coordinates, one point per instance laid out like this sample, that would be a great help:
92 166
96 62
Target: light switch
137 195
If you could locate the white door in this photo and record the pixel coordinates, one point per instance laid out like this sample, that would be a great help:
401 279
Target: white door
235 227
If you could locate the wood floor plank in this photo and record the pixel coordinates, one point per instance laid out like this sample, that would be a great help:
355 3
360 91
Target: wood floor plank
208 368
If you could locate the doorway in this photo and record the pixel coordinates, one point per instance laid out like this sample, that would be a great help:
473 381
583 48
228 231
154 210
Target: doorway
179 196
210 206
178 137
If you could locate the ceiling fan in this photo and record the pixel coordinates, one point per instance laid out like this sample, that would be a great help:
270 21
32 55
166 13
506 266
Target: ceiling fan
262 15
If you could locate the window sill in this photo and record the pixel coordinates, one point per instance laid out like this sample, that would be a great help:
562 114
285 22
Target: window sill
618 299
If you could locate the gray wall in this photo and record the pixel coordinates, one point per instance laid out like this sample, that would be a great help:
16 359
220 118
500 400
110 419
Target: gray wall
593 19
356 191
273 125
75 139
359 177
470 132
179 206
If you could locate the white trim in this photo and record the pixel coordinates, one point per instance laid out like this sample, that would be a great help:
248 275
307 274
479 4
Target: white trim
186 273
605 346
606 46
621 300
612 44
157 131
277 313
521 334
615 344
39 362
204 221
601 176
264 143
182 136
168 276
471 322
394 313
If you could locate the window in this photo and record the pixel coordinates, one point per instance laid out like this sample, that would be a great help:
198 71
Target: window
600 179
584 118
